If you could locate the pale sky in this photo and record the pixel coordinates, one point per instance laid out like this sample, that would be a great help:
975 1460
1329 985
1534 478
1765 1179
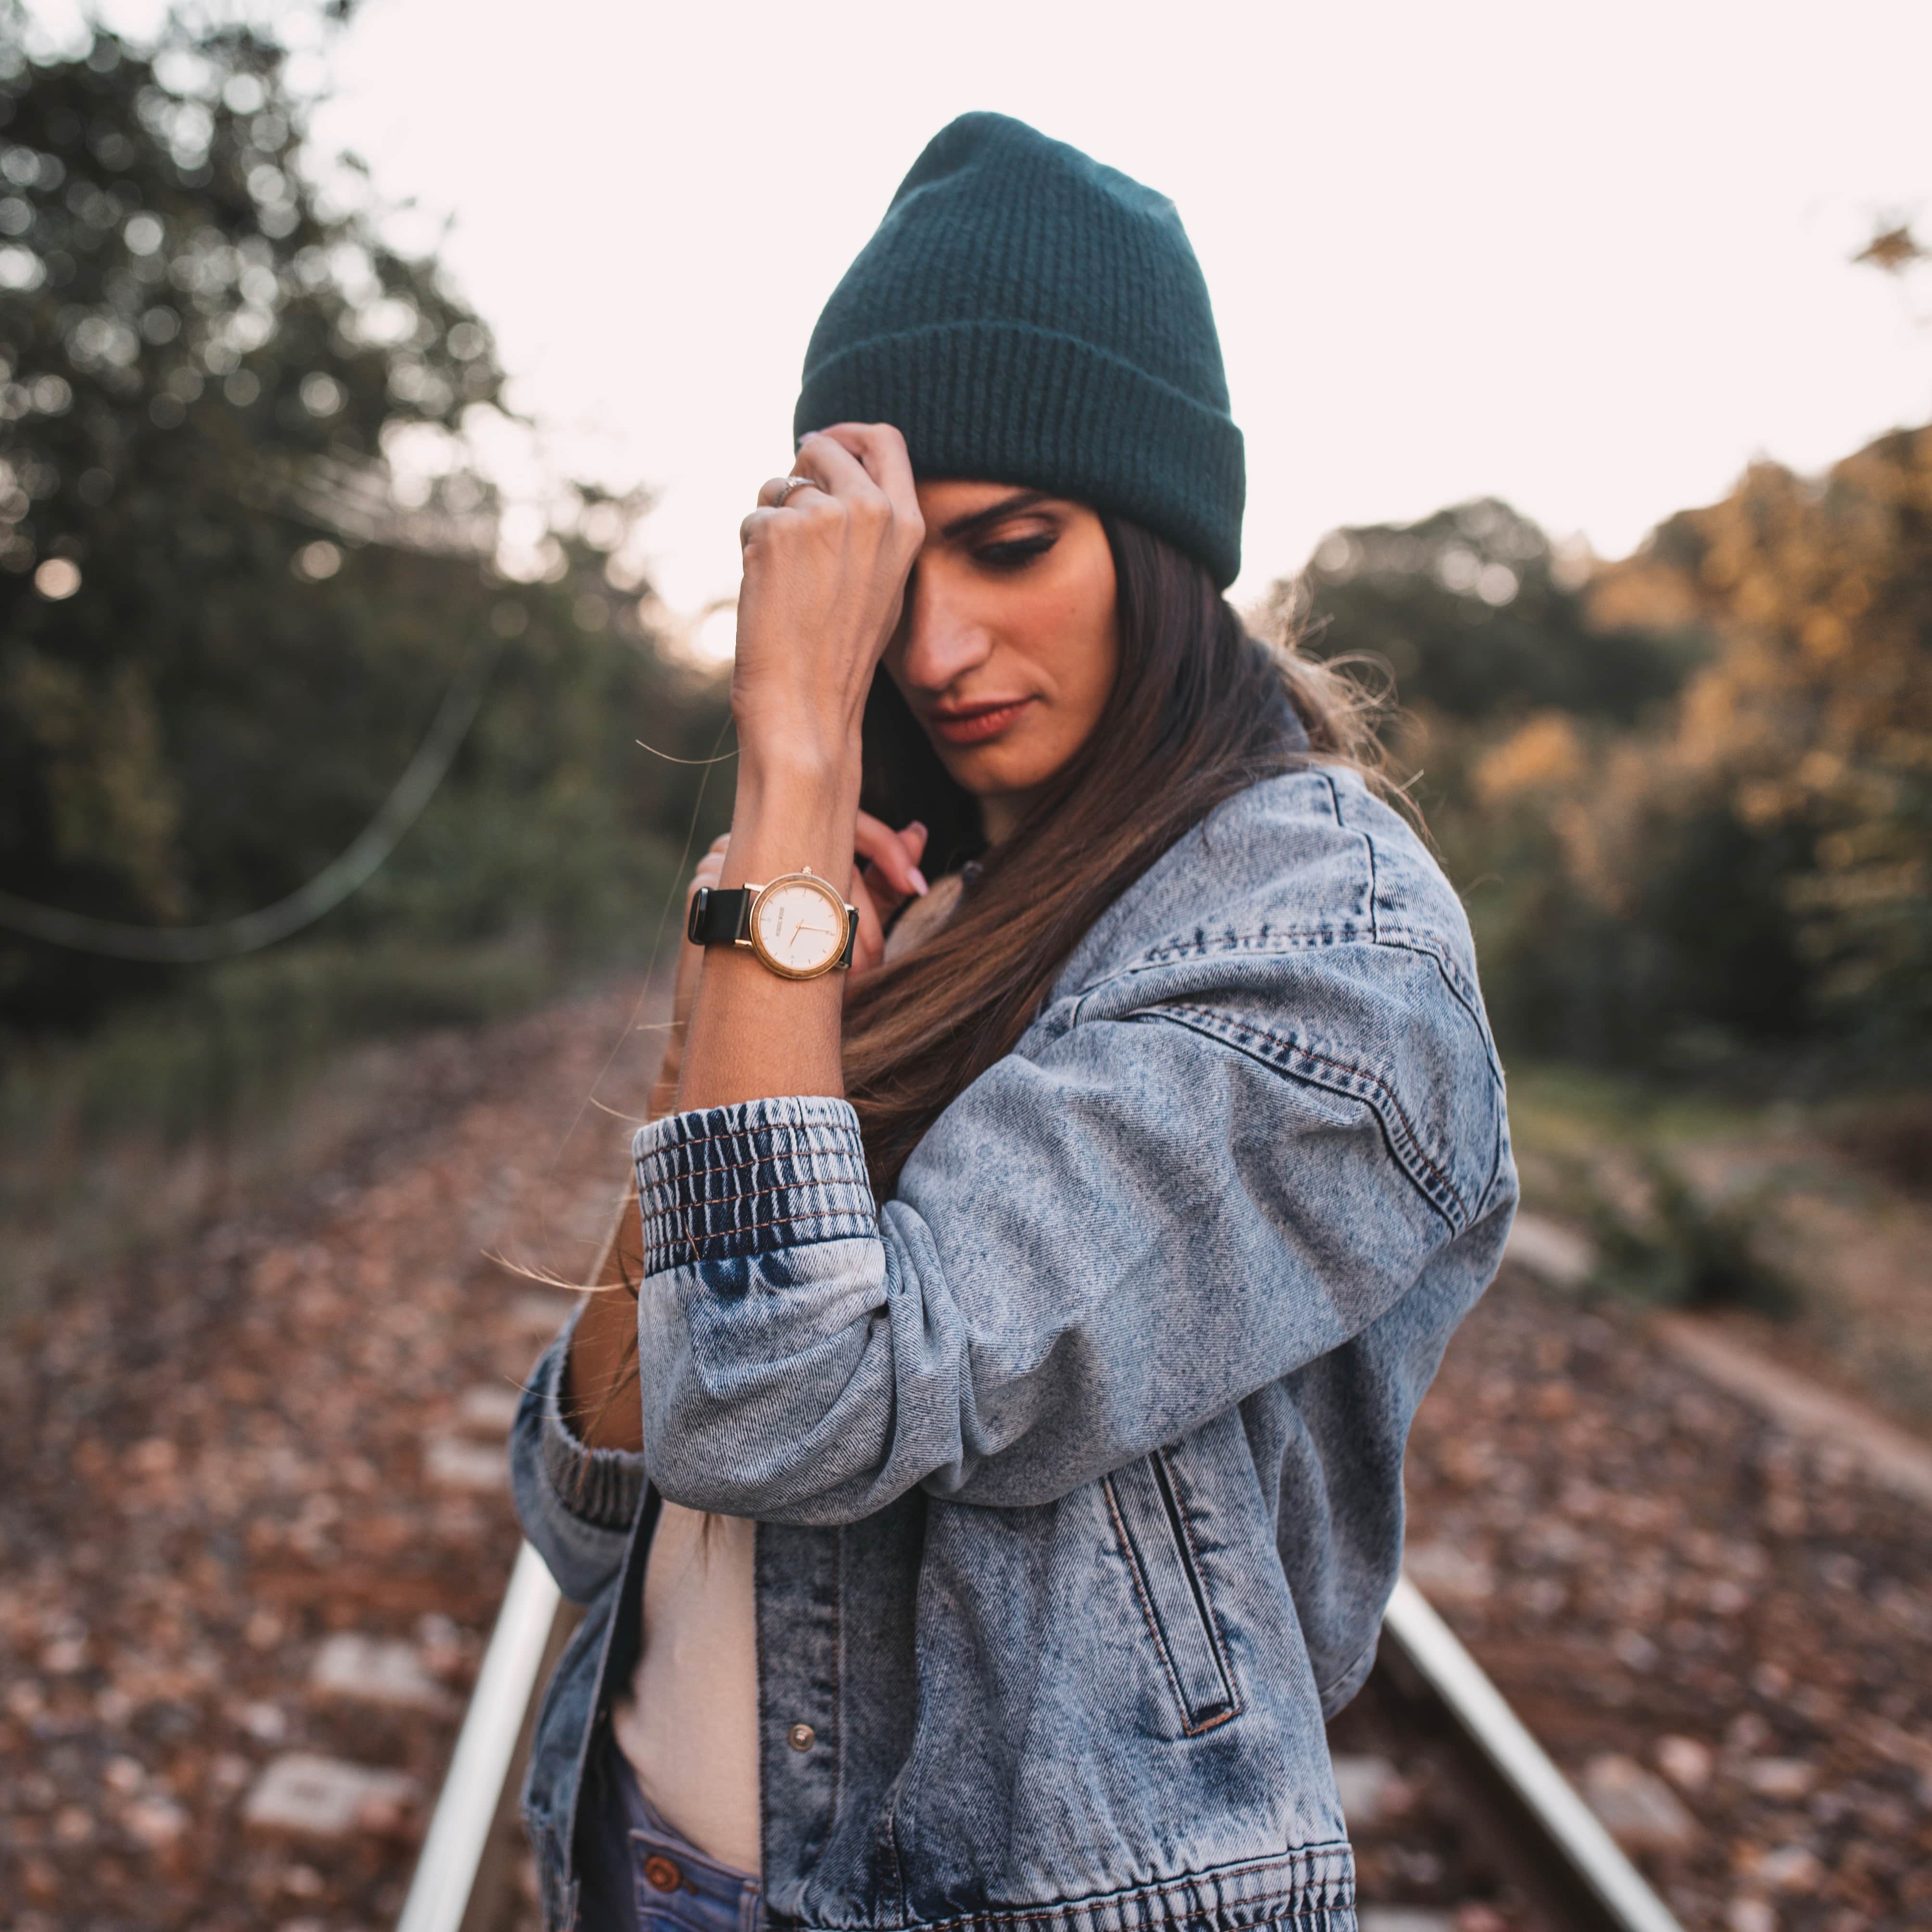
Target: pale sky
1591 259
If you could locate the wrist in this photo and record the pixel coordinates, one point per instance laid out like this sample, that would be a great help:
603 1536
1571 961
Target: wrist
799 763
793 814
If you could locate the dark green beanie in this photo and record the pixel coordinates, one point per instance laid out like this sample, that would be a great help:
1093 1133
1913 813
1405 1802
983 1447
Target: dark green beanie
1024 315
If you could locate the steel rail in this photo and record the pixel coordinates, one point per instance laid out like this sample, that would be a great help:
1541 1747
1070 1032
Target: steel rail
1539 1828
440 1896
1574 1865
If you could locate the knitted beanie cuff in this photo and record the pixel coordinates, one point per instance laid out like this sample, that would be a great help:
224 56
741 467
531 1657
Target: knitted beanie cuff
1009 402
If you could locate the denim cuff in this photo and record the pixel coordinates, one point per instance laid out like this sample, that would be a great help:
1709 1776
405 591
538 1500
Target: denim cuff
603 1487
727 1182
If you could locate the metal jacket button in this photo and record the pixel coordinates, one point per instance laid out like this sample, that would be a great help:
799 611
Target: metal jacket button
801 1737
660 1873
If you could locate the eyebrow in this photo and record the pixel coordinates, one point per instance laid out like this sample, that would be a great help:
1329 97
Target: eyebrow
996 513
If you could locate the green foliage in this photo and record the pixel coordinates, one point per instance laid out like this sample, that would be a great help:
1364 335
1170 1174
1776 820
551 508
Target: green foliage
242 1033
1689 1252
1474 617
1688 799
226 617
1814 726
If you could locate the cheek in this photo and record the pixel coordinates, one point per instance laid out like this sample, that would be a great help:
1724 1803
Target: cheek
1099 657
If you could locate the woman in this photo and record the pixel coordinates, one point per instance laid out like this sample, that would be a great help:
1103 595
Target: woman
997 1479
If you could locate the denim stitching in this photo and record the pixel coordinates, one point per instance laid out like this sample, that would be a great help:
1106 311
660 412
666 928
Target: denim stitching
1236 1703
1338 1893
1147 1606
799 1199
1205 1019
680 1202
660 1247
687 1170
663 1196
846 1148
839 1128
1335 806
1452 980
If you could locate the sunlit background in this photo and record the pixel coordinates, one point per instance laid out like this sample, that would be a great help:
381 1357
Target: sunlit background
378 402
1589 258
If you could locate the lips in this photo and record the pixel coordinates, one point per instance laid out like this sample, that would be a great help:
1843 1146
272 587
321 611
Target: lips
976 724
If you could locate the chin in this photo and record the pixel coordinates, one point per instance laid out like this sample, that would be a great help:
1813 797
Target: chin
1015 762
992 770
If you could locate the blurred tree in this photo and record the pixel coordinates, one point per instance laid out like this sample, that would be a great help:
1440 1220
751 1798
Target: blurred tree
1813 726
1691 800
226 620
1476 616
1615 907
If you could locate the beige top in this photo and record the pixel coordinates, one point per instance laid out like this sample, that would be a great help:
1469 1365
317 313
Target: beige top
689 1722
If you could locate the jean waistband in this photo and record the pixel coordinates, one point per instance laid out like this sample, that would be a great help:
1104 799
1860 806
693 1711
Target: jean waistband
674 1884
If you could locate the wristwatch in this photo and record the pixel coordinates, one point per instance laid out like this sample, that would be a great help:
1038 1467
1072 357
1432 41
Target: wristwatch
797 924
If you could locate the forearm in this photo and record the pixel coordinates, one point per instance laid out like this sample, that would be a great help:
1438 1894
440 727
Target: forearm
750 1033
600 1392
753 1034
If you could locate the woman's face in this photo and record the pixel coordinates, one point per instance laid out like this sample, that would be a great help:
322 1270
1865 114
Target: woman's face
1008 648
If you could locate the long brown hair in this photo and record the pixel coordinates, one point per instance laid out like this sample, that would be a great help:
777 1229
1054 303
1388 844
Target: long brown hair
1199 711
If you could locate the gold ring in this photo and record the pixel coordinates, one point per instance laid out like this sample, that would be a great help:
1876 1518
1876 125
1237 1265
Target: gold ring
792 483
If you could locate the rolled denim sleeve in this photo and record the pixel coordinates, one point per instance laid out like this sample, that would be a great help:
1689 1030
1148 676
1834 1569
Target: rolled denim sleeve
576 1504
1097 1248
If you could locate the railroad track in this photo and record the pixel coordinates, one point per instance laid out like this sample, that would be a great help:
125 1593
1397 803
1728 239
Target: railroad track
1526 1832
255 1528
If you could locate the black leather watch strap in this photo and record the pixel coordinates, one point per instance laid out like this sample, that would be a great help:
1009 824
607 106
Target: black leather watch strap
719 916
722 915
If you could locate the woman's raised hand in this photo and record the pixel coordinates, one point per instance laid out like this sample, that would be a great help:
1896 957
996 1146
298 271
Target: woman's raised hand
825 576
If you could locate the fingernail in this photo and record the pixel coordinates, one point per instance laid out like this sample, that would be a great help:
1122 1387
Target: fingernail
916 825
919 884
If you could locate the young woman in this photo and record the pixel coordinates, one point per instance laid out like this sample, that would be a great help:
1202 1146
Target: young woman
996 1481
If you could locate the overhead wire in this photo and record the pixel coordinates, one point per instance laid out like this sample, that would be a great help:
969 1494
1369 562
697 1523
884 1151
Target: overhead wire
353 869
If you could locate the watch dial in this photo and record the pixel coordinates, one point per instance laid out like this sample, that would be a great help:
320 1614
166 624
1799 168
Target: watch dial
798 927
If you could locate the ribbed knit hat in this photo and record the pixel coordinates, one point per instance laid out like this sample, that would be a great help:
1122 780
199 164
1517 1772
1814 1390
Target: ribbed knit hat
1024 315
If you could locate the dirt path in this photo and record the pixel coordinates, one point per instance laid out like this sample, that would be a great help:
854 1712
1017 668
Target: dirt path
255 1519
253 1525
1722 1632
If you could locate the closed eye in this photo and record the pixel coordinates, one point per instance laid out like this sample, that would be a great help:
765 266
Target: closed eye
1016 553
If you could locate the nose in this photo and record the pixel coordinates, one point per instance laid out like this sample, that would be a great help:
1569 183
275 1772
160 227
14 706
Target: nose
944 638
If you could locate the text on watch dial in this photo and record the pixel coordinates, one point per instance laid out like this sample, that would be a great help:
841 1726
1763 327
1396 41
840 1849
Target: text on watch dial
796 928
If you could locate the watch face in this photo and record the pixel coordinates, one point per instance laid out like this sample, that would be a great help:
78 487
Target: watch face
799 926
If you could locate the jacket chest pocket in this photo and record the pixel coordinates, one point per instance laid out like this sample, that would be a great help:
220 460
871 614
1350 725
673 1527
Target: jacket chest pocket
1145 1501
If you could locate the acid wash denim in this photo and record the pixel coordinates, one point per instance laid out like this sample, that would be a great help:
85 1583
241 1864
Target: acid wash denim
1077 1466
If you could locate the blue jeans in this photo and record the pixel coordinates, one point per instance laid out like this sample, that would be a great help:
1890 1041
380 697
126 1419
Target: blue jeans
641 1874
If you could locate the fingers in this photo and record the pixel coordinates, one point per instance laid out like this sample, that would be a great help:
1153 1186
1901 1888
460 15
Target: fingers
776 491
880 450
894 857
840 456
870 948
837 479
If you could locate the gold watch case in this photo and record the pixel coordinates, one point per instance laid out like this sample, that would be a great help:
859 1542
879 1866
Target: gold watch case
799 926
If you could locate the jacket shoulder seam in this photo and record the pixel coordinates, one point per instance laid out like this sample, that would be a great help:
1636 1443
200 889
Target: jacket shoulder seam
1368 844
1300 1060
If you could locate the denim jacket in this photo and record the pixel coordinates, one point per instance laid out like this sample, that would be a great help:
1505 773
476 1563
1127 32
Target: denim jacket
1077 1464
